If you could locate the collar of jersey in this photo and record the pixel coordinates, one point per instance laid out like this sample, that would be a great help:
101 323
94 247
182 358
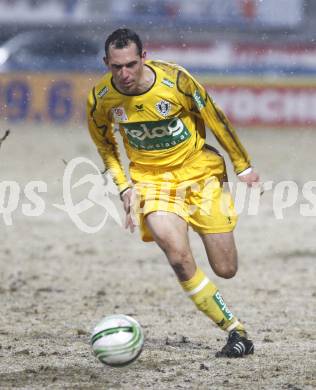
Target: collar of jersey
137 94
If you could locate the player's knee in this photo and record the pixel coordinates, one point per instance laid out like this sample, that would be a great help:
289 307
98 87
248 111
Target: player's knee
229 273
226 271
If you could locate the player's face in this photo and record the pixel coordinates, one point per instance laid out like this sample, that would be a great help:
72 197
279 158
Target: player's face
126 66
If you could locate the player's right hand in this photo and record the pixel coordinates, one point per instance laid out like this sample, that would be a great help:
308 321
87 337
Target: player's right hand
127 202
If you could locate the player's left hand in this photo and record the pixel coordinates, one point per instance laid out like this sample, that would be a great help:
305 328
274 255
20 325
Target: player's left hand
252 179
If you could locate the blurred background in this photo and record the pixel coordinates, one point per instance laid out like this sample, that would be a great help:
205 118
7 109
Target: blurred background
257 58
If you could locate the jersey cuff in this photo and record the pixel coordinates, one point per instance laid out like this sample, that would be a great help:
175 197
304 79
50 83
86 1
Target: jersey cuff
245 172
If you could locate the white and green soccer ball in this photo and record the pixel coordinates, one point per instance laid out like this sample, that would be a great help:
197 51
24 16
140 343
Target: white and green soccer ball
117 340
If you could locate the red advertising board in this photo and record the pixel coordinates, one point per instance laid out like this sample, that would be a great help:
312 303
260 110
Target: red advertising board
277 106
282 102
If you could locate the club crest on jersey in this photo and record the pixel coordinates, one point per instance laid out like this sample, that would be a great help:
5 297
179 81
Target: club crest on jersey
119 114
163 107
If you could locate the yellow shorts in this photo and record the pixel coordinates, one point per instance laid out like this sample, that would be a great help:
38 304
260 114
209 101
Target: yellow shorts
194 191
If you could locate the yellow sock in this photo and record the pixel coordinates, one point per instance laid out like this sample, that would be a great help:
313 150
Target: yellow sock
208 299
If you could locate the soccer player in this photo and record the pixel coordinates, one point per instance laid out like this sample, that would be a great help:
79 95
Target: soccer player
161 112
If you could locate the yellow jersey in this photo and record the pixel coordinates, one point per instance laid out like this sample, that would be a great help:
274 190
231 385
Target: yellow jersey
161 127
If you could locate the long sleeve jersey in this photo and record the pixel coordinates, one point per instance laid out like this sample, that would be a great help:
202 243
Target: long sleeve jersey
161 127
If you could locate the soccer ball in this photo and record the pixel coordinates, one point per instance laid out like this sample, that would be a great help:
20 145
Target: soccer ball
117 340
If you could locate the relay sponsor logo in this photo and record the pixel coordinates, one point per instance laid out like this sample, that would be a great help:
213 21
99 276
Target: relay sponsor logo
156 135
222 305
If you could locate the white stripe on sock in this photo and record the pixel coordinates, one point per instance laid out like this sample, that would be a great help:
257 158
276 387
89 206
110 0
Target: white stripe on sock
238 348
243 346
233 326
198 288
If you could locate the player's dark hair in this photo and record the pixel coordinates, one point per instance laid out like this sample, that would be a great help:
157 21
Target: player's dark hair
121 38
